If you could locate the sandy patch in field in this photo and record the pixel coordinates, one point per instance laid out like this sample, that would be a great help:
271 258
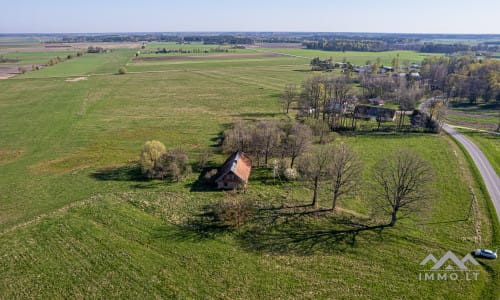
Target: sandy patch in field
9 155
76 79
6 76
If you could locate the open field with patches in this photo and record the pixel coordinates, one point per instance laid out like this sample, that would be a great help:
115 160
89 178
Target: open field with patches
485 116
77 219
26 53
357 58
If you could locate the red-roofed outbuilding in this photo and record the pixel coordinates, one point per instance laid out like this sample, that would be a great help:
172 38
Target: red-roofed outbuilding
235 172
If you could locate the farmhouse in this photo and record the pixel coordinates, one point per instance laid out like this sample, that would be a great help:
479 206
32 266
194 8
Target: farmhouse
376 101
379 113
235 172
339 106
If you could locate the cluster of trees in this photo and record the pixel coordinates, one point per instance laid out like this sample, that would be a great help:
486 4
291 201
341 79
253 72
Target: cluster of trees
454 48
291 142
443 48
268 139
158 163
330 99
8 60
463 77
348 45
122 71
225 39
337 164
92 49
401 178
388 44
318 90
318 64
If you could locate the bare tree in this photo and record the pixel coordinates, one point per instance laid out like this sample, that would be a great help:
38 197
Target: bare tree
204 158
289 95
313 167
319 129
345 172
342 86
298 141
312 93
176 164
402 183
238 138
266 138
407 95
438 110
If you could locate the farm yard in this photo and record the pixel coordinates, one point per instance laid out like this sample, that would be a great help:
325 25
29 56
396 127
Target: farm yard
78 220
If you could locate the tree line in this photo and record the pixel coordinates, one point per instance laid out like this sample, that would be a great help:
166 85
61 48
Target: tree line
463 78
380 45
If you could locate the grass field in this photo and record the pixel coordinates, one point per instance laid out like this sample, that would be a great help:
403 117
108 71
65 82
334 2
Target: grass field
192 49
357 58
37 58
77 222
489 145
477 115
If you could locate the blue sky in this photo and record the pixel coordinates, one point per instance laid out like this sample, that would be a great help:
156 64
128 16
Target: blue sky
418 16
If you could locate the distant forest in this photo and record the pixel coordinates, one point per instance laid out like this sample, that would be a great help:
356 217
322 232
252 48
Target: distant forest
399 44
371 42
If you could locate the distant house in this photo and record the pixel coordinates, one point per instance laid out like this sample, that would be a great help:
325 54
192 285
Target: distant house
376 101
336 105
385 69
379 113
415 75
235 172
363 69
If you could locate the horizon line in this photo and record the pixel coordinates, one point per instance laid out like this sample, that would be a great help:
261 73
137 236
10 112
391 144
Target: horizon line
245 31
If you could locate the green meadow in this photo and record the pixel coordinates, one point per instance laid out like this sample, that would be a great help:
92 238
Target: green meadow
478 115
36 58
78 221
357 58
489 145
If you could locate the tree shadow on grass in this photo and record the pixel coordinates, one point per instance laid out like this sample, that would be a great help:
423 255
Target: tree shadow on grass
253 116
130 173
304 231
202 226
121 173
299 230
202 184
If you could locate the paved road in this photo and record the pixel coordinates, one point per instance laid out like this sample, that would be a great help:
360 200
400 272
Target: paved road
490 177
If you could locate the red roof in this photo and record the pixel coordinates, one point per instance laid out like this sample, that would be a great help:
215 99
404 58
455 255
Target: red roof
239 164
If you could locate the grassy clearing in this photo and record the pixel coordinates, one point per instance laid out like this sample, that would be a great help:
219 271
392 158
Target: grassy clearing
77 221
358 58
479 115
192 47
104 63
489 145
37 58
